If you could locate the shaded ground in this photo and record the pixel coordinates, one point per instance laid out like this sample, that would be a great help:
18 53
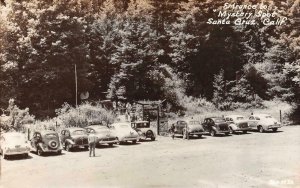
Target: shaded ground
250 160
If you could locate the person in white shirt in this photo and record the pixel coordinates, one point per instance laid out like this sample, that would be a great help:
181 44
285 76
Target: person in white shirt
92 143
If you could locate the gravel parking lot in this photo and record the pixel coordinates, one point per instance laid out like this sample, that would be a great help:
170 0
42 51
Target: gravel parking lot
250 160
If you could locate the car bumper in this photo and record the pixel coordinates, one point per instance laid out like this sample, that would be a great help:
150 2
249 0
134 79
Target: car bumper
79 145
107 141
129 139
243 129
274 126
198 133
222 131
17 152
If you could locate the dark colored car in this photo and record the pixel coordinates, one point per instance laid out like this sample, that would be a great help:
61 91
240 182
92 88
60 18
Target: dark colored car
45 142
74 138
216 125
144 130
188 128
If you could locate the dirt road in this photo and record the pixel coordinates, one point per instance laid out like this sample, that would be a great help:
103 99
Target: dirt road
250 160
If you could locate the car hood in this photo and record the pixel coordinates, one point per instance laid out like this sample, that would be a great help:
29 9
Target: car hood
196 127
270 121
105 133
126 132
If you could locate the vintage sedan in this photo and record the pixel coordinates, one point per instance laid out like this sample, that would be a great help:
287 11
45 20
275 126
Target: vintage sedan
263 122
124 132
237 123
45 142
216 125
74 138
103 133
144 130
13 143
188 128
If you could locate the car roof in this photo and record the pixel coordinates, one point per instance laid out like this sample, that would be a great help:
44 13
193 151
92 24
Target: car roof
96 126
140 122
121 123
215 118
74 128
261 115
235 115
47 132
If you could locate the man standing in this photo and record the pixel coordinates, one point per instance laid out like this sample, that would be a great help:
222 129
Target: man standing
92 143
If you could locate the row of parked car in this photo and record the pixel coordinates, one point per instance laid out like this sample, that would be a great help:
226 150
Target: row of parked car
49 141
225 125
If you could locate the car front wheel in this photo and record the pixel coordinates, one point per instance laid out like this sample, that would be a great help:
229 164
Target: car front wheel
111 144
245 132
68 147
212 133
261 129
274 129
153 138
39 152
134 141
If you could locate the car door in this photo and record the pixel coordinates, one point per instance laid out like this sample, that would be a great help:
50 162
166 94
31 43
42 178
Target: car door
252 123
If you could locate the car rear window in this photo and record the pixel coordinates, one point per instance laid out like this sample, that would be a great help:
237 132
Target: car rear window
240 118
219 120
50 135
79 132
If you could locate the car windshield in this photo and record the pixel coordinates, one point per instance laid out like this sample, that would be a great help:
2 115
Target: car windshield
240 118
194 122
122 126
268 117
100 128
79 132
142 125
219 120
50 135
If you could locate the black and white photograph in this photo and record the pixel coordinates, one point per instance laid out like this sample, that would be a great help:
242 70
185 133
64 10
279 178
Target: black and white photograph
150 93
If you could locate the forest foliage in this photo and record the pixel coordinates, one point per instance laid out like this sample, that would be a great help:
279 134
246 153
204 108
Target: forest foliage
144 50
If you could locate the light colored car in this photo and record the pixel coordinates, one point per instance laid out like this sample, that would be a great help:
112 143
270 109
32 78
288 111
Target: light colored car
13 143
144 130
237 123
189 127
263 122
103 133
125 132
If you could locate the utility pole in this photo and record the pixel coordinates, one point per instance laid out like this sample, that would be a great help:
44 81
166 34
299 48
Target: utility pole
76 100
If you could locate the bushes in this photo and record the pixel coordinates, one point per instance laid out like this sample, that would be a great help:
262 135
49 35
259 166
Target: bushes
69 116
17 118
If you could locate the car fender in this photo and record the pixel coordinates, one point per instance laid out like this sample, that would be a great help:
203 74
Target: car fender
69 141
233 126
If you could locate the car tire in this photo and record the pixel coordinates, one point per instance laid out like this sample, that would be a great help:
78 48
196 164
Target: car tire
134 141
59 152
111 144
86 147
200 135
261 129
274 129
39 152
25 155
152 138
212 133
245 132
231 131
226 134
5 156
68 147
